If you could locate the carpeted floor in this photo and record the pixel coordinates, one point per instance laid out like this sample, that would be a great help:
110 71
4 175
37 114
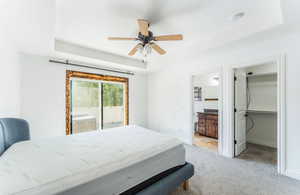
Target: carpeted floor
217 175
260 154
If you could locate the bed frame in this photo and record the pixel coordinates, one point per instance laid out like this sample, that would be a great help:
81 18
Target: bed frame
164 183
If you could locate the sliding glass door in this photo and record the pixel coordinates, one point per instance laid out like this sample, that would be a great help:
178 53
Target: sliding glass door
95 104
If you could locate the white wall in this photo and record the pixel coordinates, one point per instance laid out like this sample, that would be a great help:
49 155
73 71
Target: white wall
9 80
263 92
264 131
25 25
170 91
43 96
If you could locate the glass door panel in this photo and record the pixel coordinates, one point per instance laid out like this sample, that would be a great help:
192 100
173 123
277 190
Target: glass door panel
85 105
112 105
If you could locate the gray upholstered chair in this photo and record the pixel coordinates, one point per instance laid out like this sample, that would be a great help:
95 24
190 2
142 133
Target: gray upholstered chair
12 130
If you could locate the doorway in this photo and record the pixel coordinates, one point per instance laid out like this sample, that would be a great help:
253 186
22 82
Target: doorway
255 113
95 102
206 115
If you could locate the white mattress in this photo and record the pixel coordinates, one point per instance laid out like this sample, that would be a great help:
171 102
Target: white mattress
126 178
108 162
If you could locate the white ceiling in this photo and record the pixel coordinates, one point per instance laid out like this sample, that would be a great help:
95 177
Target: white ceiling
204 23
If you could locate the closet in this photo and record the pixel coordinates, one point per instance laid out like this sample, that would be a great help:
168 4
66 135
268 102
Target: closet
255 106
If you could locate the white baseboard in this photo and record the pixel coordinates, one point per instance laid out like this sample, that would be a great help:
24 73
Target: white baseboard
293 174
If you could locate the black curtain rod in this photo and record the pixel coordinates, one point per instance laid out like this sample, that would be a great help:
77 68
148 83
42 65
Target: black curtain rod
91 67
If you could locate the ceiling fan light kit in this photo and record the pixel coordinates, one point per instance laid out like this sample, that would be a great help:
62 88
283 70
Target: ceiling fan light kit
147 40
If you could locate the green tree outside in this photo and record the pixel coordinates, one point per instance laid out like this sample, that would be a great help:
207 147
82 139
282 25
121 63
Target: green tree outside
86 94
112 94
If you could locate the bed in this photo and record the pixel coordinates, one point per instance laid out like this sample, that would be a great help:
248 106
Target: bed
124 160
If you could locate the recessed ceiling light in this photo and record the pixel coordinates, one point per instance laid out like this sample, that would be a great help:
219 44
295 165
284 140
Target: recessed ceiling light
238 16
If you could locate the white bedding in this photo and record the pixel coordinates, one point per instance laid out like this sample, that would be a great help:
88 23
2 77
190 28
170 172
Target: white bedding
51 166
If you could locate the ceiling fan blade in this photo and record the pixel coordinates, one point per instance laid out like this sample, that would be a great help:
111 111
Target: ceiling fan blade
143 26
121 38
158 49
134 50
168 37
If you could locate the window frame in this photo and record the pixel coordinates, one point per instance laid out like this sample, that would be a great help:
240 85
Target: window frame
98 77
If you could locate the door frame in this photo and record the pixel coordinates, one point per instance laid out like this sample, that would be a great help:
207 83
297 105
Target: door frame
97 77
280 61
220 105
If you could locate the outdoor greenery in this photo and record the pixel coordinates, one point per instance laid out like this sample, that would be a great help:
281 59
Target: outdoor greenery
86 94
112 94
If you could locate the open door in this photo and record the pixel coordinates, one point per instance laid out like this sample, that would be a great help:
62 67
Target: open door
240 111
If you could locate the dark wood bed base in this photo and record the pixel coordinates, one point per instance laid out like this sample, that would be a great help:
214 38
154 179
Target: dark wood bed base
164 175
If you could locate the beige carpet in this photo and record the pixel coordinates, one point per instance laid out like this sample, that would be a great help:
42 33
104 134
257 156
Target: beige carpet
217 175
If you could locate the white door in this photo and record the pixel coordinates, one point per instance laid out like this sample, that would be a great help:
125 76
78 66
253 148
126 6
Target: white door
240 111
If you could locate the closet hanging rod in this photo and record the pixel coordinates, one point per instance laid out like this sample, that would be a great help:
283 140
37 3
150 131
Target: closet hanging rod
67 62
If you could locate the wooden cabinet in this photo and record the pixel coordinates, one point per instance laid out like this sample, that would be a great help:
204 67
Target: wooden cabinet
208 124
201 123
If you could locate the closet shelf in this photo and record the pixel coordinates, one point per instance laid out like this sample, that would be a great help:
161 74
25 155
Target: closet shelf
256 111
263 74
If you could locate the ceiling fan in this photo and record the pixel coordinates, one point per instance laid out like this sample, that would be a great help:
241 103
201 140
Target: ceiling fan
147 39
